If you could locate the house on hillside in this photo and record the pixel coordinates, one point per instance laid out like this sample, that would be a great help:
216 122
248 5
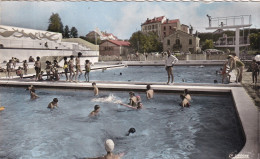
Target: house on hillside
114 47
96 34
181 41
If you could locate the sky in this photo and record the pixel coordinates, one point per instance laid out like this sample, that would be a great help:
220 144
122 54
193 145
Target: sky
120 18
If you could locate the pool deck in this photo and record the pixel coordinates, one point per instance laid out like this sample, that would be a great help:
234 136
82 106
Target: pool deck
247 111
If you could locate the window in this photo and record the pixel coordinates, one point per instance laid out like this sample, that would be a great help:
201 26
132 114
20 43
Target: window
164 28
190 41
168 42
164 34
149 27
153 26
145 28
170 27
177 41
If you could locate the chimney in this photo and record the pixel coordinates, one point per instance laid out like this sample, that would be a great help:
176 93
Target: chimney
167 20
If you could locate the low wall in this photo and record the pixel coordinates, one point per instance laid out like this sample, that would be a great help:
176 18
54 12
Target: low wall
155 57
24 54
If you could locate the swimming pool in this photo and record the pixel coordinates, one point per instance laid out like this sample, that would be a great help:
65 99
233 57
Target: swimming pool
163 129
187 74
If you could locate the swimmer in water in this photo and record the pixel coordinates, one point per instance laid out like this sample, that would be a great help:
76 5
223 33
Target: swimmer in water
95 88
139 105
185 102
187 95
130 131
95 111
53 104
32 92
133 99
109 146
149 92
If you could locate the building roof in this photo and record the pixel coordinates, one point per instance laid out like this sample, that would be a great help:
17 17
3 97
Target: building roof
171 21
154 20
185 25
119 42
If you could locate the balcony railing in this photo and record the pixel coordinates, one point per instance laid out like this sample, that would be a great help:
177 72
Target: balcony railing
231 41
231 21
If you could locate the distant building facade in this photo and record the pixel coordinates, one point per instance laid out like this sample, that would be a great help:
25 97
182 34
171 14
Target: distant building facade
174 35
101 35
114 47
185 28
181 41
153 25
169 26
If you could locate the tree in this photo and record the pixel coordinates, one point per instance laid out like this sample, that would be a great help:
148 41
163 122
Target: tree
148 42
73 32
55 24
208 45
66 32
255 41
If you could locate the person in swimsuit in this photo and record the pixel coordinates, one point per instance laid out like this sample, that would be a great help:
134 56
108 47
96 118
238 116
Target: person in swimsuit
132 99
71 68
255 71
109 146
53 104
184 102
149 92
25 67
95 111
87 69
78 69
95 88
169 61
37 67
8 68
66 68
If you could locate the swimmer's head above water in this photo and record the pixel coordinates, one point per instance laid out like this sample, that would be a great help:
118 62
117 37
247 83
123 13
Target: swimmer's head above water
109 145
130 131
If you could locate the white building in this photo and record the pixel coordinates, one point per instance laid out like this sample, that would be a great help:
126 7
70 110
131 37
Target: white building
22 43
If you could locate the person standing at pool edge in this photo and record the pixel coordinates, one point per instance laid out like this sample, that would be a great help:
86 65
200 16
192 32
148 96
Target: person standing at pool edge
71 68
87 69
169 61
37 67
78 69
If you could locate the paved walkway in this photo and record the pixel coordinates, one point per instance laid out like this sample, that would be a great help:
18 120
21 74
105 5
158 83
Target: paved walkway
252 90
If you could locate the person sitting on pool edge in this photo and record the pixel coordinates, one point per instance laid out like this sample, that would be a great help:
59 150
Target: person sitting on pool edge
133 99
53 104
184 102
109 146
149 92
95 88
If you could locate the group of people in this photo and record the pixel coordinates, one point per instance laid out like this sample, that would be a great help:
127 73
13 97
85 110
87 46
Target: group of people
10 67
232 63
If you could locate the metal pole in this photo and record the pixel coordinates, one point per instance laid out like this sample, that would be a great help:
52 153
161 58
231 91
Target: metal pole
237 42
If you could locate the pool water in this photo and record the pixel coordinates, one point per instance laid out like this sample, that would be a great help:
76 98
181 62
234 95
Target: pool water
208 129
187 74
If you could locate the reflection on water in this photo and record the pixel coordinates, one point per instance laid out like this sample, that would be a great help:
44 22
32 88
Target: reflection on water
163 129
